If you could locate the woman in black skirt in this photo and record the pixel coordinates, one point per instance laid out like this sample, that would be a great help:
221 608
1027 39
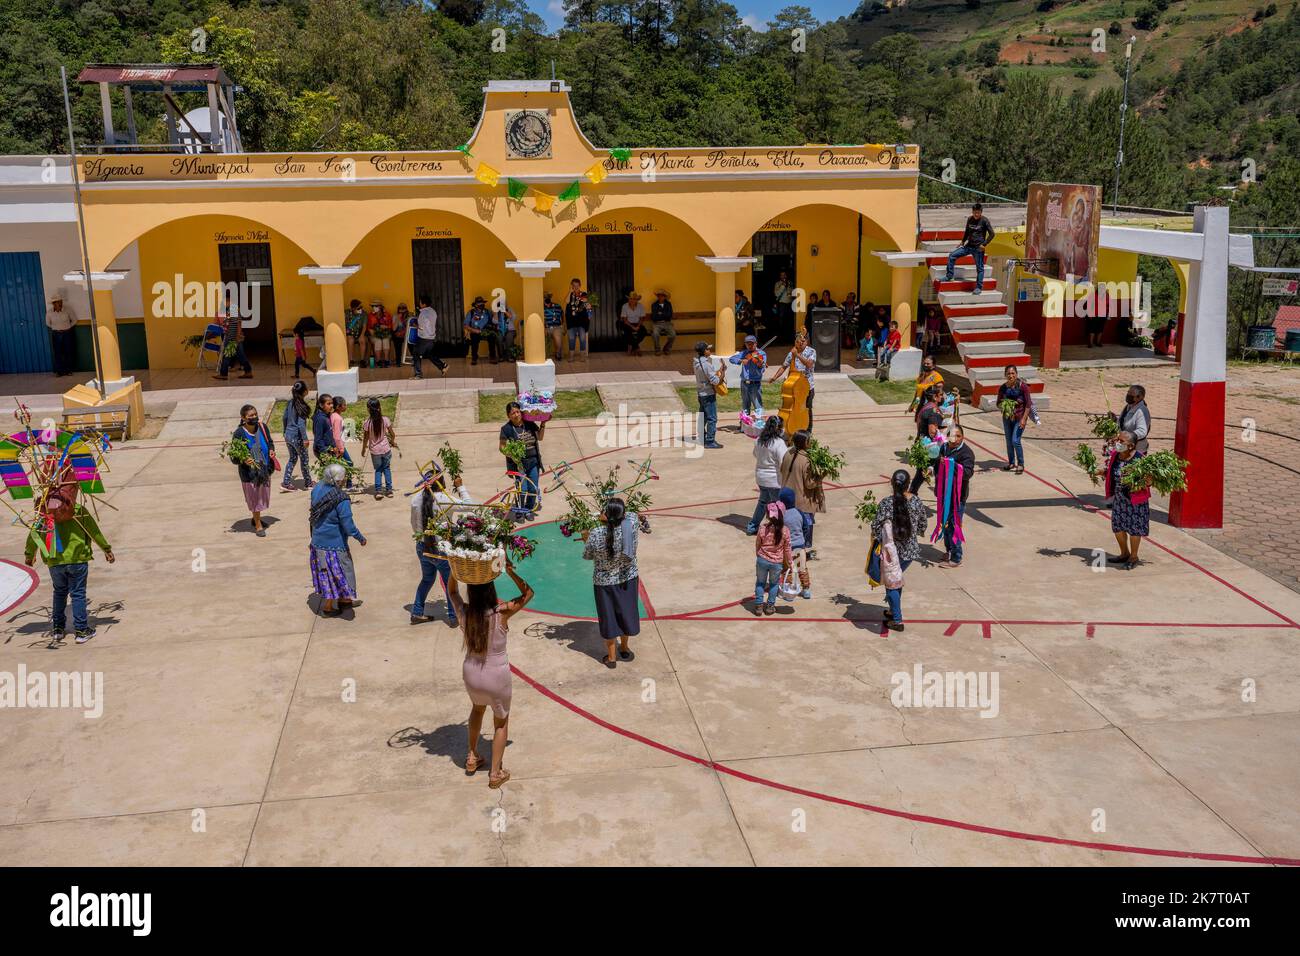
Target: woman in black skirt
612 547
1130 510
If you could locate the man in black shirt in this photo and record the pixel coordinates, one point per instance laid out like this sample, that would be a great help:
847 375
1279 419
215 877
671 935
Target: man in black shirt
978 234
956 449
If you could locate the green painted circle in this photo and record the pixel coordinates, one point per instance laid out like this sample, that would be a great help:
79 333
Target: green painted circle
558 573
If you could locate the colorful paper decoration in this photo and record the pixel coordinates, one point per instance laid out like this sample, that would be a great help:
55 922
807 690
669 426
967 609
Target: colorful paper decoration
621 154
487 175
571 191
517 188
543 201
597 172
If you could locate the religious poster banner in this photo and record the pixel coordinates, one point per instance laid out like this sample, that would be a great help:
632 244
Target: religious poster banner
1063 223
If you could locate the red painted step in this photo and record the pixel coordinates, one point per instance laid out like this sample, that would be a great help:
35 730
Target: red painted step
943 261
992 389
974 308
1008 334
995 360
941 235
964 285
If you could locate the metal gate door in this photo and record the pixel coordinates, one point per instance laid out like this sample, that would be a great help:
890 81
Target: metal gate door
610 278
435 264
24 339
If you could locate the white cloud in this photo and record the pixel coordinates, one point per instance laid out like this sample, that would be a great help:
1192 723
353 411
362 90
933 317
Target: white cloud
751 20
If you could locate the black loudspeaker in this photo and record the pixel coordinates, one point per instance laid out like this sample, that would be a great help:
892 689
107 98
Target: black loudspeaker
824 336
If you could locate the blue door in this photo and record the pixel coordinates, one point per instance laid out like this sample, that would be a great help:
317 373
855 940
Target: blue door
24 339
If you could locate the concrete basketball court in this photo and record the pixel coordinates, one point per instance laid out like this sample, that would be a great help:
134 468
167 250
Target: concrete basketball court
1121 737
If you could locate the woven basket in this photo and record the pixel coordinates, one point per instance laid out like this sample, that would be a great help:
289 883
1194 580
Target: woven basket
473 570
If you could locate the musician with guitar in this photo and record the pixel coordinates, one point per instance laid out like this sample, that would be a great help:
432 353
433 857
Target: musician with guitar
802 359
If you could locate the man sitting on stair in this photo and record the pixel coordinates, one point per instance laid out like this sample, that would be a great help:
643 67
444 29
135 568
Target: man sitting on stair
978 234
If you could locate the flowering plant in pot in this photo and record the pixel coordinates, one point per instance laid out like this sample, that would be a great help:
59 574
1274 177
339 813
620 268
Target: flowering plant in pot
582 516
537 405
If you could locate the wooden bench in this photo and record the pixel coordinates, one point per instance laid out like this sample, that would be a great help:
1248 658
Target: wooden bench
108 419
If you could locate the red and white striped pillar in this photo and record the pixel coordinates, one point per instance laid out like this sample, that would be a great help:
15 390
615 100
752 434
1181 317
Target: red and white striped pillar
1203 345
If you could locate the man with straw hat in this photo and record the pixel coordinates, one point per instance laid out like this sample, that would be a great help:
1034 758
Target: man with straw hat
631 323
62 324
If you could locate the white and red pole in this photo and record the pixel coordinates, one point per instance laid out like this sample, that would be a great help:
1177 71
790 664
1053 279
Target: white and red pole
1202 347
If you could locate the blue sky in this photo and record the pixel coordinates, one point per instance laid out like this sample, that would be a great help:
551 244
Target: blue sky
755 12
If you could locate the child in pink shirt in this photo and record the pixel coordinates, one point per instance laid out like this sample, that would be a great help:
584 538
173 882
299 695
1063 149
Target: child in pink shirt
772 558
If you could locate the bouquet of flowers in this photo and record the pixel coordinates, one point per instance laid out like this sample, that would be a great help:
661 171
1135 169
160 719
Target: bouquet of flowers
582 516
1086 460
515 450
865 512
1104 427
236 450
537 405
1162 470
823 462
919 454
328 458
752 425
477 542
451 462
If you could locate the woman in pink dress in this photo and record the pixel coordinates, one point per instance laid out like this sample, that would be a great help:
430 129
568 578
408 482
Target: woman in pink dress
483 621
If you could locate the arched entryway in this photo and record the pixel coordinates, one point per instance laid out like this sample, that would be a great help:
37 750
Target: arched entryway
615 252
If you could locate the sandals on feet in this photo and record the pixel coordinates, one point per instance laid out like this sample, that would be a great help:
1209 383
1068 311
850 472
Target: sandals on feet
496 780
474 763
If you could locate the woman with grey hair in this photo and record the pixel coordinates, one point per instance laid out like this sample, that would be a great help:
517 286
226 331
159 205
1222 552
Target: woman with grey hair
332 574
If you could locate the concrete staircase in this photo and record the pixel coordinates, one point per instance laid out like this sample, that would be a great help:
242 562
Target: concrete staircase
980 322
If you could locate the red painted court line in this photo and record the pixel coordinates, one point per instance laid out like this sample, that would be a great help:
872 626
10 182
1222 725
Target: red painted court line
887 811
33 580
1164 548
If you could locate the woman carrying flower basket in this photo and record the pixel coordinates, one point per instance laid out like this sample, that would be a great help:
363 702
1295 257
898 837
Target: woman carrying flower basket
332 573
528 467
253 450
1016 404
612 548
1130 509
432 498
484 622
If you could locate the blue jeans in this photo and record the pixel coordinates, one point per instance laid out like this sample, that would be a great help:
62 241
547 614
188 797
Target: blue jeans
709 409
809 523
430 570
574 336
528 489
953 547
895 595
751 395
383 469
765 497
239 356
69 579
767 580
976 253
1013 430
885 356
297 453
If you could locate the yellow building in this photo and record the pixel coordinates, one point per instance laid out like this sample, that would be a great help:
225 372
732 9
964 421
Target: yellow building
524 207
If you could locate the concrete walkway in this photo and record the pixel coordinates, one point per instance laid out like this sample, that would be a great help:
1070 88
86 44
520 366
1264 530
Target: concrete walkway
1120 717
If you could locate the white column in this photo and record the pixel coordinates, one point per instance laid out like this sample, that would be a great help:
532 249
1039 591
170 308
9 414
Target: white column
335 377
536 372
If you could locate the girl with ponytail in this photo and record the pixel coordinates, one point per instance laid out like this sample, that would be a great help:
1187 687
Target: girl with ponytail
900 520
